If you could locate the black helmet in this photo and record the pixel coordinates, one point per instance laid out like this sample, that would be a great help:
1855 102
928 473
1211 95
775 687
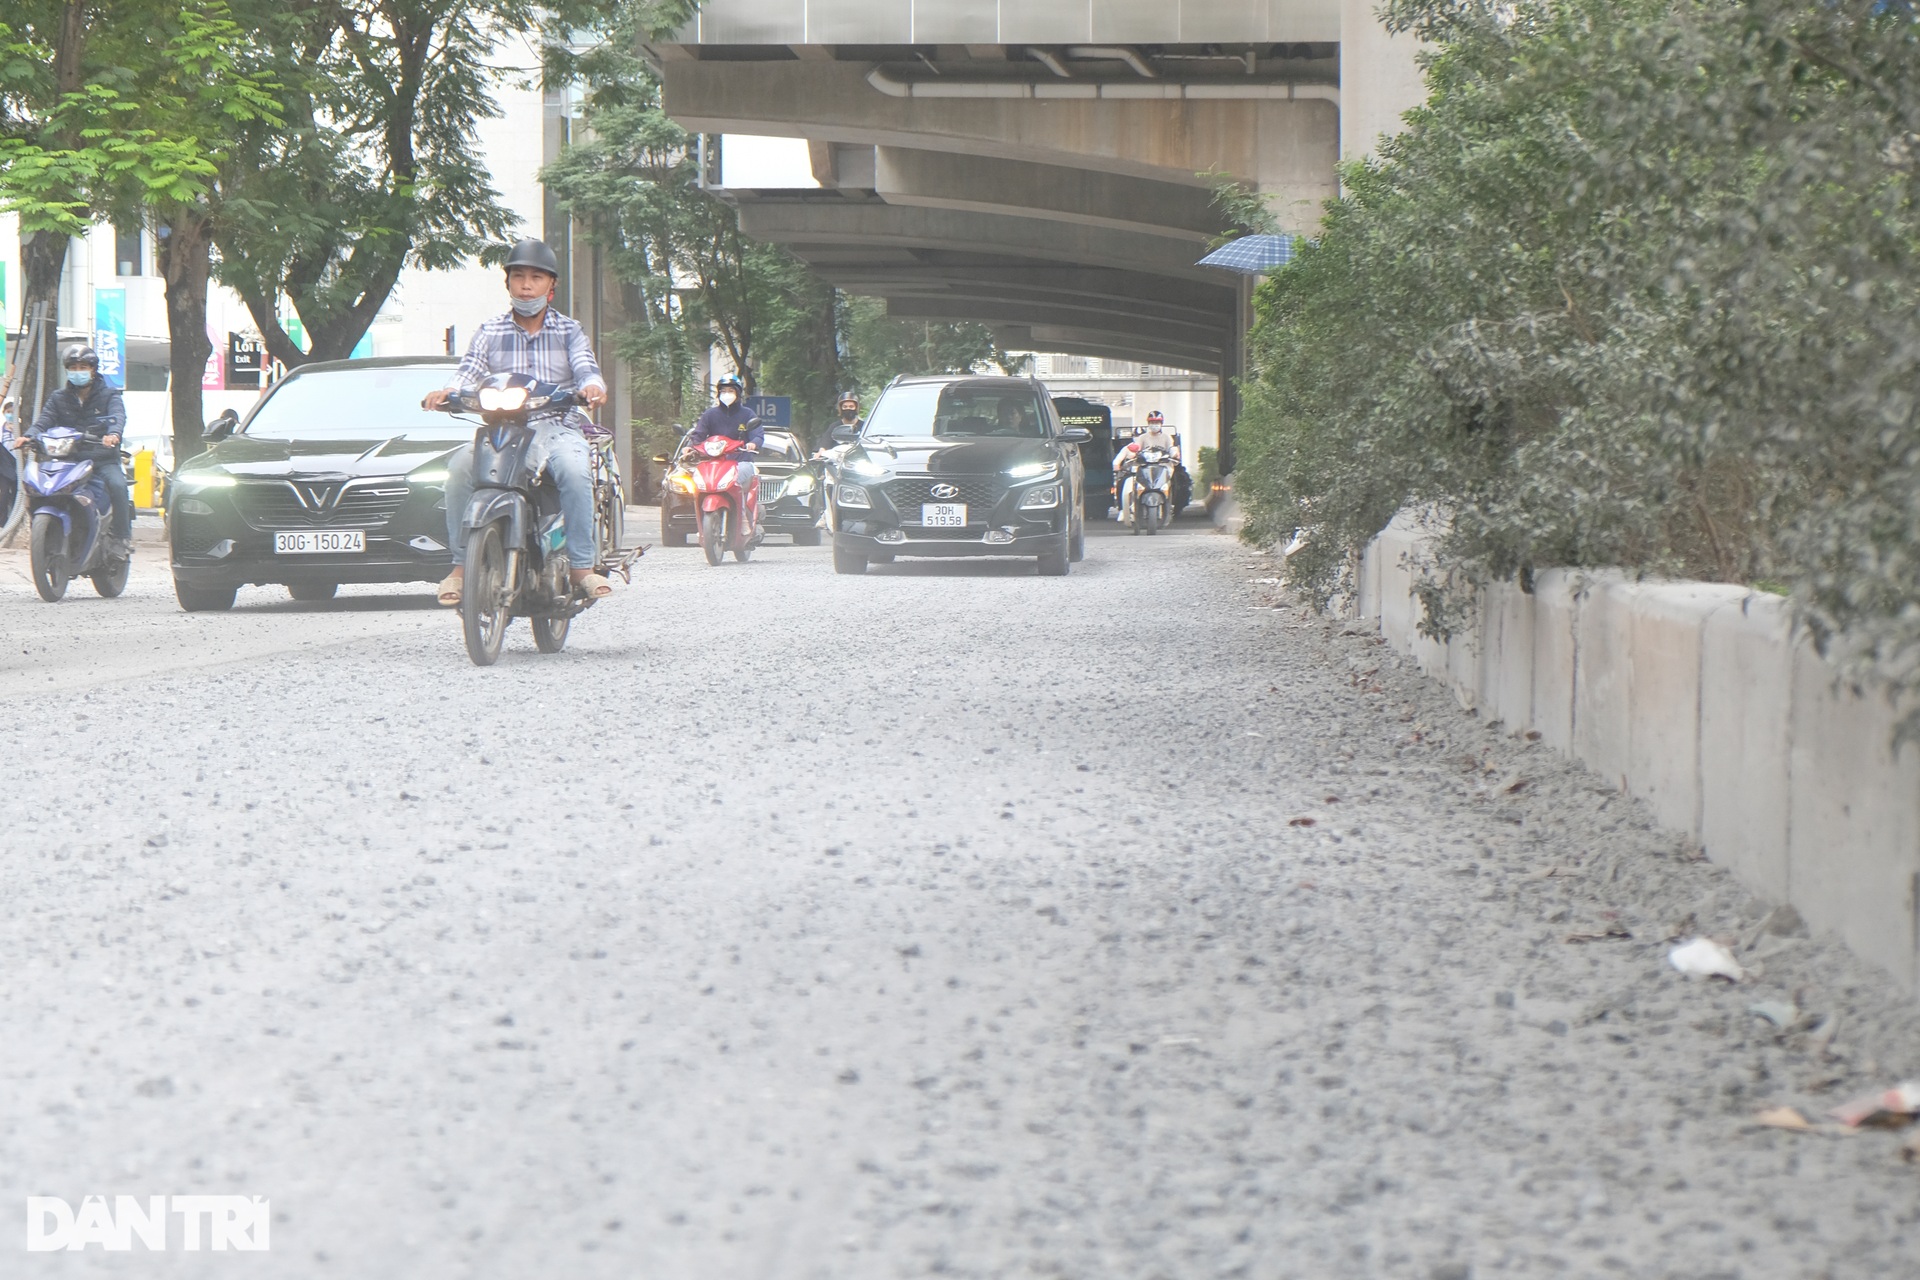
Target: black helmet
854 396
535 254
81 355
729 381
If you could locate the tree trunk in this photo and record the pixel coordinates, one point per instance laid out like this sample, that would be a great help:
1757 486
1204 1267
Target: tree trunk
186 261
42 255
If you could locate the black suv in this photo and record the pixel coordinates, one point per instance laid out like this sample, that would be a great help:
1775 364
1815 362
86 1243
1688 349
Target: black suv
960 466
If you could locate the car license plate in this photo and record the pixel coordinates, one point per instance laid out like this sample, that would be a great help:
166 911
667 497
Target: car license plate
943 515
313 542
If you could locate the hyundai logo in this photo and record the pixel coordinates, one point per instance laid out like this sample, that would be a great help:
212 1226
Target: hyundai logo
945 491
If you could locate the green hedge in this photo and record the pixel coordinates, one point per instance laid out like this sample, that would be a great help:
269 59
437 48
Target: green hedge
1639 286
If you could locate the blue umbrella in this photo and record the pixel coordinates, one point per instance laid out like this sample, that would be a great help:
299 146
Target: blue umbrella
1251 255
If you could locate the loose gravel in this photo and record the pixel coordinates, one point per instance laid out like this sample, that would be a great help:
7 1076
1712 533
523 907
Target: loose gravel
946 921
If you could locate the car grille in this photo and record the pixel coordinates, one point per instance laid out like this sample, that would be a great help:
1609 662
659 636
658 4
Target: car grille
770 487
278 504
194 537
980 493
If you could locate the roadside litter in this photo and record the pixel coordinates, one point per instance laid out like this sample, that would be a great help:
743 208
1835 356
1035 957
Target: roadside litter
1889 1110
1705 958
1781 1013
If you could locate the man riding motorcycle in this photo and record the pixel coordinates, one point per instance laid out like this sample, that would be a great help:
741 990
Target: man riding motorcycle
730 419
1153 436
534 339
94 409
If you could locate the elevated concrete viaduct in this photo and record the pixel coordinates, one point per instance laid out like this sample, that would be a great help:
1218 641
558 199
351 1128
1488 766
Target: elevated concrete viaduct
1043 167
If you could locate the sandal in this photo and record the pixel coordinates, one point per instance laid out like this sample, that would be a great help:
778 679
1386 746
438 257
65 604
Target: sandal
592 586
450 589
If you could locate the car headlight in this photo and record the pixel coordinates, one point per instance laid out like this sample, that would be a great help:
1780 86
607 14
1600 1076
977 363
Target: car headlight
1047 497
680 481
433 475
852 495
192 507
211 480
800 482
1033 471
865 466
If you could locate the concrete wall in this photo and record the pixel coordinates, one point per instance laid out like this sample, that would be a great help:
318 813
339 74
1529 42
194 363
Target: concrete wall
1700 699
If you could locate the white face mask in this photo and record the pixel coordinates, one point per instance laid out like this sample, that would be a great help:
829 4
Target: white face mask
529 306
728 399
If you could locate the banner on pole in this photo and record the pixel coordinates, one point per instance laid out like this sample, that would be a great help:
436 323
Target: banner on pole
110 335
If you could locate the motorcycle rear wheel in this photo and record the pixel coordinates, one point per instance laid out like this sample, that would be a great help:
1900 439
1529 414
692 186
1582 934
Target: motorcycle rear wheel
48 554
713 535
550 634
112 580
483 600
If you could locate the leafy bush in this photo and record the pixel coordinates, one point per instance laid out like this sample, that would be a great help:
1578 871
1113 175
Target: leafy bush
1639 286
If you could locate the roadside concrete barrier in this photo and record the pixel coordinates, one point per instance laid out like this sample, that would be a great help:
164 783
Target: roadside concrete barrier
1702 700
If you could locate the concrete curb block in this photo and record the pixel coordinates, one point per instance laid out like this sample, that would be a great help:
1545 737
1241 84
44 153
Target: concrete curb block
1698 698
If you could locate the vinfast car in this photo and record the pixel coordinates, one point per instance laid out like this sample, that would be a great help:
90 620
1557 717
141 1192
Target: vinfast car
336 475
791 499
961 466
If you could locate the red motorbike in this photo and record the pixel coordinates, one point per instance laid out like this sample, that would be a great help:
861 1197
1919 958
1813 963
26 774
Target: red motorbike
729 513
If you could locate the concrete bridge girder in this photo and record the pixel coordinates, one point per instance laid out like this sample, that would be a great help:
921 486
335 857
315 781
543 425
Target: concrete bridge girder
830 221
1177 300
1288 148
1049 192
969 301
1141 331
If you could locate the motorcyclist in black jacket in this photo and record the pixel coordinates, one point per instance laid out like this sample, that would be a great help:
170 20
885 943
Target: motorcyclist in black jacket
96 410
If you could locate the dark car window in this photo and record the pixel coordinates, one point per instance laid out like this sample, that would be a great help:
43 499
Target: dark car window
356 404
959 410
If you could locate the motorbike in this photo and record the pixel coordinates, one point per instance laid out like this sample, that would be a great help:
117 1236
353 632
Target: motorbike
70 509
729 515
1149 491
515 538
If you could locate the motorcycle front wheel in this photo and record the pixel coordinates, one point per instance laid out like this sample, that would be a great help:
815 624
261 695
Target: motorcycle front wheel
48 554
1150 516
483 600
713 535
112 580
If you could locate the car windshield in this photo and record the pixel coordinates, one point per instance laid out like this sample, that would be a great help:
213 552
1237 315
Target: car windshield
958 410
779 447
356 404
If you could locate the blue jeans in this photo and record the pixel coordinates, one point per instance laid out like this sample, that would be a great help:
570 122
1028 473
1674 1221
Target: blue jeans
563 453
114 476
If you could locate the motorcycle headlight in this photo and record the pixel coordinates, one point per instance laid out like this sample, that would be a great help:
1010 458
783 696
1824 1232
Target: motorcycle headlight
59 448
503 399
715 447
680 481
1033 471
1046 497
852 495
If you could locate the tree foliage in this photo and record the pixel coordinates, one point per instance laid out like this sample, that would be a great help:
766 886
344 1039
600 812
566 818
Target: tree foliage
1639 285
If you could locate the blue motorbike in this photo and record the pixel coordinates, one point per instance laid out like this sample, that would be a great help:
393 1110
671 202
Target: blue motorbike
70 509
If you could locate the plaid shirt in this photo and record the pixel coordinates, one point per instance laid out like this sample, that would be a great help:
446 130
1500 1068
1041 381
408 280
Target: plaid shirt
559 352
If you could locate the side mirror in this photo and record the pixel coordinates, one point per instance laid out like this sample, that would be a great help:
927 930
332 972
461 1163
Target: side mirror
221 427
1076 435
842 433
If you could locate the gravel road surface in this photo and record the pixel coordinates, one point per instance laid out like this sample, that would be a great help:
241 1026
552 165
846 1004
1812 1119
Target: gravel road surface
945 921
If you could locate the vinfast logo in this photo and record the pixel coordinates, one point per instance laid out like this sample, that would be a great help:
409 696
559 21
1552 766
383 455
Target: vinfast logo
219 1223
